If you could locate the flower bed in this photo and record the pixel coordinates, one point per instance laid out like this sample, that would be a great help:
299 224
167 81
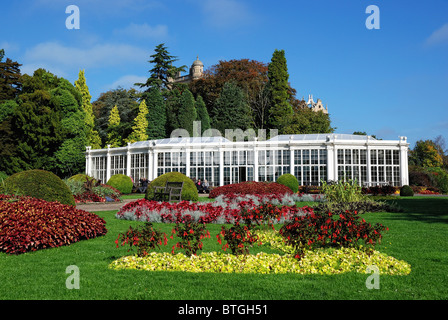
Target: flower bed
251 187
29 224
319 261
224 210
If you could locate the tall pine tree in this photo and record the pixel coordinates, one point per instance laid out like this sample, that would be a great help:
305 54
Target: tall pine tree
231 110
140 124
202 115
113 137
93 138
10 83
281 110
187 112
163 70
156 114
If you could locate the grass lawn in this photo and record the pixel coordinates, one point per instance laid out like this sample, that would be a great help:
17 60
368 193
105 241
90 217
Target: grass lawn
418 235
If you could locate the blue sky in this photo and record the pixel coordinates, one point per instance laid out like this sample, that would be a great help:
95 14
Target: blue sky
390 82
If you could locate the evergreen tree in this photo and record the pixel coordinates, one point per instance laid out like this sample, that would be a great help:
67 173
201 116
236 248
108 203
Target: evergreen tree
231 110
10 83
127 103
202 115
140 125
93 138
172 105
36 123
163 70
187 112
281 110
156 114
113 137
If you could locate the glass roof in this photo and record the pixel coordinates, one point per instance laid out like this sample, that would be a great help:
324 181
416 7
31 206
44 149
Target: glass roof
216 140
212 140
319 137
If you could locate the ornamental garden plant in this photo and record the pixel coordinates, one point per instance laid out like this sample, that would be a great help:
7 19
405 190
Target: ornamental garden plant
30 224
86 189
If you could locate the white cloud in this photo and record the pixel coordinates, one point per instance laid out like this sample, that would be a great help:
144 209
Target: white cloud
226 13
62 57
126 82
143 31
8 47
439 36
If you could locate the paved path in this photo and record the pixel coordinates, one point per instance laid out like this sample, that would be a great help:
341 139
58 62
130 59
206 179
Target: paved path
103 206
108 206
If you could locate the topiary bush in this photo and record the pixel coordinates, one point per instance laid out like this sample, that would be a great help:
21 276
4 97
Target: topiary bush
406 191
121 182
39 184
290 181
189 190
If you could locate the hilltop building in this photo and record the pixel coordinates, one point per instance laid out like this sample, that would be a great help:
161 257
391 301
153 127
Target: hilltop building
196 72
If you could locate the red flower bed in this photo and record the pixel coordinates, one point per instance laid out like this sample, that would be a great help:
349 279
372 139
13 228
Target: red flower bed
339 230
251 187
29 224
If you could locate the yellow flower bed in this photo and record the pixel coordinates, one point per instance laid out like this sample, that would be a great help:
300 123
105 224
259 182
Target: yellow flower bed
320 261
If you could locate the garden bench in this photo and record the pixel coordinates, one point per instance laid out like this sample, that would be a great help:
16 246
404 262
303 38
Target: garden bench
171 191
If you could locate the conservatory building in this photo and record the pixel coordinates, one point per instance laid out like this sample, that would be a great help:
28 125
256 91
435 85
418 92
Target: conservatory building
311 158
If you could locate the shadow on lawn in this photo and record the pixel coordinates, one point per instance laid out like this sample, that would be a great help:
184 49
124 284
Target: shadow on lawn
431 210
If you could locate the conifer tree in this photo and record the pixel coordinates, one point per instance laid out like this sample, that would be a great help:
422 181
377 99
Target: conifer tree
281 110
93 138
113 137
202 114
163 70
231 110
187 112
10 83
156 114
140 124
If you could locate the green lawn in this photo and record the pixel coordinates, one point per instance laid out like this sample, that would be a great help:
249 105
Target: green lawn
418 235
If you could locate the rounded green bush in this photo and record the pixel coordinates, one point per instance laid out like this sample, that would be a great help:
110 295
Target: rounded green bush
406 191
39 184
290 181
189 190
121 182
81 177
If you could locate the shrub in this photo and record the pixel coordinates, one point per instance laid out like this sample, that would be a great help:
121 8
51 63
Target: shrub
30 224
329 230
290 181
144 238
189 190
121 182
39 184
406 191
342 191
3 176
191 233
251 187
439 178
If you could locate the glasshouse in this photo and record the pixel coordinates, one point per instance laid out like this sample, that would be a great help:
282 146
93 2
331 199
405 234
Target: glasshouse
312 158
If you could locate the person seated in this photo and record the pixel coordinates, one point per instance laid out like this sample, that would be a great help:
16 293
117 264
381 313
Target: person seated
205 186
143 185
199 186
